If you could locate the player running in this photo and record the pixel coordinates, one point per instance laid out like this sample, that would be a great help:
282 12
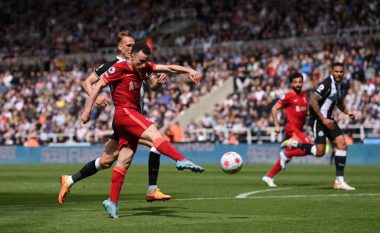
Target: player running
126 78
322 103
125 42
294 104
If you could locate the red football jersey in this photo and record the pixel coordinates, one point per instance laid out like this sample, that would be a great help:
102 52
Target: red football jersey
295 106
126 83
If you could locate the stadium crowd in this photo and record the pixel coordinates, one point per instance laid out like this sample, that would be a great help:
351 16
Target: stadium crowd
41 103
67 27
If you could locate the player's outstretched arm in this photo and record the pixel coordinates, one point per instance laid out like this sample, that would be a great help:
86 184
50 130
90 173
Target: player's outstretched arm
314 99
275 109
91 100
195 76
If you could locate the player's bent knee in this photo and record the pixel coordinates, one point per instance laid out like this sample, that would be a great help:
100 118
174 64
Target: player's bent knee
158 141
320 152
106 160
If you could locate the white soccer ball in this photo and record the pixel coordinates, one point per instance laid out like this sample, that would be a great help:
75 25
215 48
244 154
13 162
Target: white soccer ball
231 162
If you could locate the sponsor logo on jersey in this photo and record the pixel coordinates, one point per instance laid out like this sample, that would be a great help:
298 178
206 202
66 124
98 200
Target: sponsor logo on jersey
131 86
300 108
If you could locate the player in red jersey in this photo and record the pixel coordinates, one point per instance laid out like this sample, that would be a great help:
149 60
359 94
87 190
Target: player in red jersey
126 78
295 105
125 41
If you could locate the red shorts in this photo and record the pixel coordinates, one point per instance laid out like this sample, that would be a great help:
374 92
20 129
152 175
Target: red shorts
298 135
130 124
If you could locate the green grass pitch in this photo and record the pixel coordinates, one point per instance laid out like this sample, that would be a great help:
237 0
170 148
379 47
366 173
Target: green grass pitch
303 201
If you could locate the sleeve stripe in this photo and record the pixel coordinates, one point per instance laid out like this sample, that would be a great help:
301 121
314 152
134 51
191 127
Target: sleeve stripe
104 78
318 94
97 76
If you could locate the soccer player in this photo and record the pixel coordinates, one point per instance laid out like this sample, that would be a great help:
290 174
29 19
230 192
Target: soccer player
295 105
322 103
125 42
126 78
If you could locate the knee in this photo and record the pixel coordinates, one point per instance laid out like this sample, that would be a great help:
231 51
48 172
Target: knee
320 152
107 160
124 162
342 146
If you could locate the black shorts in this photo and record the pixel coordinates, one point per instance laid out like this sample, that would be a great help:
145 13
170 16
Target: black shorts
321 132
115 135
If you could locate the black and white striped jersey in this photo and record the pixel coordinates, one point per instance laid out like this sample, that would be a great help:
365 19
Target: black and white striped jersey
104 67
330 93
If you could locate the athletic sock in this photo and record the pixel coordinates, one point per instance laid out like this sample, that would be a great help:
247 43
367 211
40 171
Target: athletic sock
70 181
117 180
294 152
309 149
340 162
275 169
87 170
151 188
166 148
153 166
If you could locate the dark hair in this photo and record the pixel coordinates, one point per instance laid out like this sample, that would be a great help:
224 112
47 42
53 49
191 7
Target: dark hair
122 34
294 75
141 46
337 64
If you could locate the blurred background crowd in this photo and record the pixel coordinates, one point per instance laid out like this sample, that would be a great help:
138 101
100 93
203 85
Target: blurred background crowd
41 102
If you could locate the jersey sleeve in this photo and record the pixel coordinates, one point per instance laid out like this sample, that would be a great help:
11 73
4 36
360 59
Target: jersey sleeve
113 74
323 88
104 67
284 100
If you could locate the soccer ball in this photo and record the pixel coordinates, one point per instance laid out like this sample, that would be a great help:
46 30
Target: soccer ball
231 162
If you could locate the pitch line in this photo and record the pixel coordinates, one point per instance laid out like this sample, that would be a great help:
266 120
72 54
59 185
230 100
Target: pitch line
245 195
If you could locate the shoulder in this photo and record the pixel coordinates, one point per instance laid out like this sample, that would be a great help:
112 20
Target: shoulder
325 85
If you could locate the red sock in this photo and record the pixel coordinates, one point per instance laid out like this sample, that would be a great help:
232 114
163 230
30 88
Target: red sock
275 169
294 152
117 180
166 148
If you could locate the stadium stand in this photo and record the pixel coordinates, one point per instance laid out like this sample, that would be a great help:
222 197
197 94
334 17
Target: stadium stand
44 98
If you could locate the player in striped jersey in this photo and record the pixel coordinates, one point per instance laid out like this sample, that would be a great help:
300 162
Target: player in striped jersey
322 103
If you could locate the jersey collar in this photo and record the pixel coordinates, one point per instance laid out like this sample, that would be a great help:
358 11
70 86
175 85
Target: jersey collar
120 58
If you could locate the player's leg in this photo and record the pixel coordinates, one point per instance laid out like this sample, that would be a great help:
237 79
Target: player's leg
278 165
104 161
320 133
165 147
117 179
153 193
301 141
339 142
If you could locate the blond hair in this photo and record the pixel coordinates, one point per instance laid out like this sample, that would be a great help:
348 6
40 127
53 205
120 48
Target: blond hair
122 34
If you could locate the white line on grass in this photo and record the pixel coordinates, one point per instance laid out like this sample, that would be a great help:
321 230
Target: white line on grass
205 199
245 195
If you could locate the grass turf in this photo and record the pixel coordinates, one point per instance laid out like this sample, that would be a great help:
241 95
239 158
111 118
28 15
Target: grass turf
302 202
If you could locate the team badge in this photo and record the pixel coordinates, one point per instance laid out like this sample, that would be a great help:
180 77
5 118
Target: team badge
111 70
321 87
321 134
